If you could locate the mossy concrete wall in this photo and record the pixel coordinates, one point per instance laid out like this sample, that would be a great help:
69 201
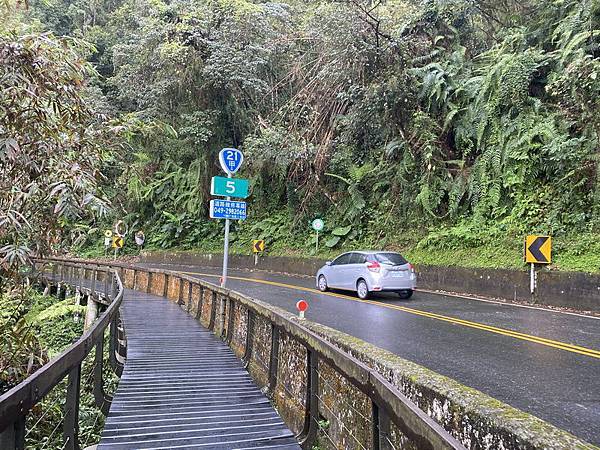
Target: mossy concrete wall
475 419
574 290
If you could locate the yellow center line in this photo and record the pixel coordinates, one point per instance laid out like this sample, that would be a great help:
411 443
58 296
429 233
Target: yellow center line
480 326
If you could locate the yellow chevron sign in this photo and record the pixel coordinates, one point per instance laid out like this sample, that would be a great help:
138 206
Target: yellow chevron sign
538 249
258 246
117 242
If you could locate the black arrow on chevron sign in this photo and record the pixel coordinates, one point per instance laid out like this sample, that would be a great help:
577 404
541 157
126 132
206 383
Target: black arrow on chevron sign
535 246
259 246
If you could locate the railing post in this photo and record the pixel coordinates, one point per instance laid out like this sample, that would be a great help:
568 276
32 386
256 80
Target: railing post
375 432
112 344
77 283
311 415
113 285
213 311
189 297
223 315
60 279
200 302
180 296
67 280
102 400
91 312
166 286
273 359
381 428
230 322
249 333
13 436
71 424
93 289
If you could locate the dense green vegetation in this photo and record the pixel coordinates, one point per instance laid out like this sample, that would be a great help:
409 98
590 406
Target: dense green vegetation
35 328
448 129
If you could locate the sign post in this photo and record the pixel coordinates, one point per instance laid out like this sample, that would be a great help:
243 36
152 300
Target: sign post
317 225
258 246
230 159
108 234
226 247
537 250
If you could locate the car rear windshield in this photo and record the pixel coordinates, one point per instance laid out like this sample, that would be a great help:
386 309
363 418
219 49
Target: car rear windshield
395 259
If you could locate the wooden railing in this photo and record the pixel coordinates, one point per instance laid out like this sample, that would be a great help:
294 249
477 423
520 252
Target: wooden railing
102 288
323 393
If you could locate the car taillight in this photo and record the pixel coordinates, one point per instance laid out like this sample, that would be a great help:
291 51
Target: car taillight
373 266
411 267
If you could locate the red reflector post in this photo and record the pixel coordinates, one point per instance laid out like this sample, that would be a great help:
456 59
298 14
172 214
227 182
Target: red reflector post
301 306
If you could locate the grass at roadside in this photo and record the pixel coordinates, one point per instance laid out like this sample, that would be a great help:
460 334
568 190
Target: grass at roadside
467 244
578 253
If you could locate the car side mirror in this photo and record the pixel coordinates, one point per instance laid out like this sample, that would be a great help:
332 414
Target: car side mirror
328 263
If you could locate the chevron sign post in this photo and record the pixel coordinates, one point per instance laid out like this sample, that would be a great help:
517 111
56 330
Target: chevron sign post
537 250
258 246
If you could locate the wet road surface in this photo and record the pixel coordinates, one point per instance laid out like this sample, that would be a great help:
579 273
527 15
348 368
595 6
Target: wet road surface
544 362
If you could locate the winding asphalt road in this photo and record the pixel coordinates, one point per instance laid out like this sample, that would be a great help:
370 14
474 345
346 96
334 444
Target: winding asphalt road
544 362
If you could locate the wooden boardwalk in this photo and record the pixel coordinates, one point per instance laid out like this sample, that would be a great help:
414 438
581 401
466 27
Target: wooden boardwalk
183 388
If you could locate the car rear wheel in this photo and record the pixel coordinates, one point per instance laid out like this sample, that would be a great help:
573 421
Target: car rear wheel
322 283
406 294
362 289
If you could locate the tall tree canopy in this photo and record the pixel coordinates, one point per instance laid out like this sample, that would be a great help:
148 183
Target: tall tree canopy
403 114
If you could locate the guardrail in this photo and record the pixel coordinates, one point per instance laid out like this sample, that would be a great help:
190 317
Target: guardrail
102 287
322 392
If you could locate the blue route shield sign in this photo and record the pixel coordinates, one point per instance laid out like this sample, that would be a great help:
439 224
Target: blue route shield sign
227 209
231 160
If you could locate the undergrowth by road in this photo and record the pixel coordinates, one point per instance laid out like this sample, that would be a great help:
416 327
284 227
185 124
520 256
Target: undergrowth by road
446 247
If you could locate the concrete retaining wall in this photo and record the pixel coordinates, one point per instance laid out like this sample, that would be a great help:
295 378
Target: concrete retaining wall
475 419
574 290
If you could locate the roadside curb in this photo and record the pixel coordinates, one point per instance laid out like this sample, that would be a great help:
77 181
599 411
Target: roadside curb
487 285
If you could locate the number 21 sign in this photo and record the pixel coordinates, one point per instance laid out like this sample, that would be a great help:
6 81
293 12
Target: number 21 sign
231 159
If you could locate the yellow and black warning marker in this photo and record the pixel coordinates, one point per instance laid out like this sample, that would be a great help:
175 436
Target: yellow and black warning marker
538 249
258 246
117 241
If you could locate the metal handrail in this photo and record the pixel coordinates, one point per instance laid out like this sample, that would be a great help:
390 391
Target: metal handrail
18 401
388 403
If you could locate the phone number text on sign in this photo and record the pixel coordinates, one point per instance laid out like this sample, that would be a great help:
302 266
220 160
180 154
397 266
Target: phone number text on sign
227 209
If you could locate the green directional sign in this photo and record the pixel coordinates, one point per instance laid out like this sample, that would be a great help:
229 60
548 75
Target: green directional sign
229 187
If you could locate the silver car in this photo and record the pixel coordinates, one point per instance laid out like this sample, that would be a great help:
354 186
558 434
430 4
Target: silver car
367 271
